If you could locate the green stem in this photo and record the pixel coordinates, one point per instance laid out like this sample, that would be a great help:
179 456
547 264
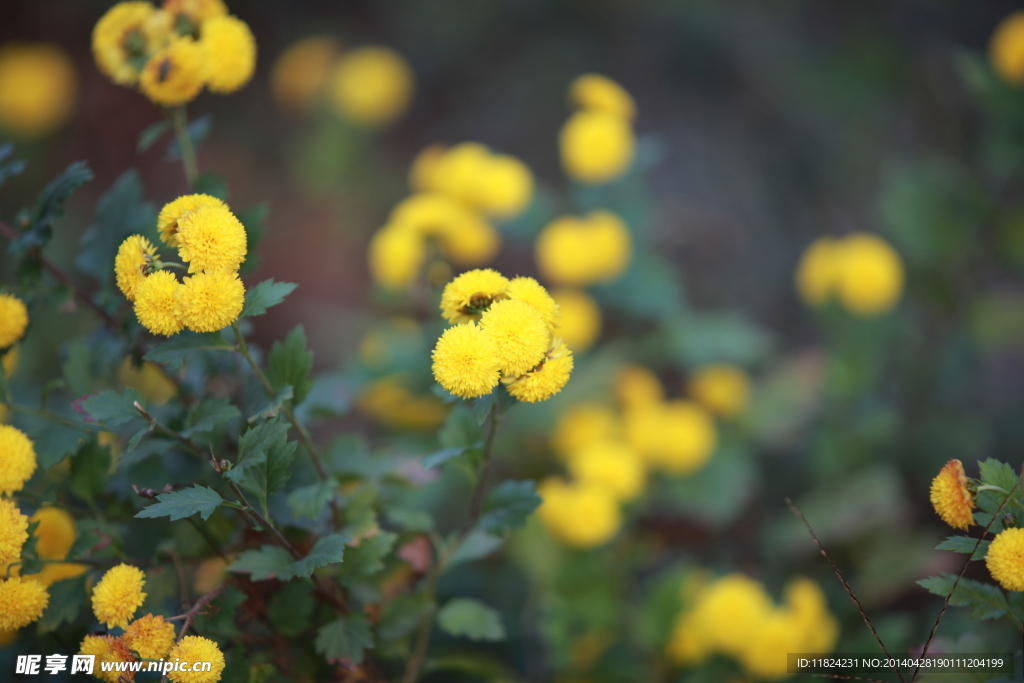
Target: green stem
179 116
167 431
263 521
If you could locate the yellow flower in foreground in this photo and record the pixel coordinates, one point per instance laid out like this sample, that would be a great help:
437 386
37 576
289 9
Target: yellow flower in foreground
151 636
211 238
13 319
109 650
148 379
636 385
37 88
167 222
22 601
581 515
596 147
19 459
175 74
120 43
156 303
730 610
722 389
396 255
583 424
580 322
529 291
471 293
230 53
197 649
13 532
300 74
1006 50
371 86
135 258
820 270
950 496
611 464
211 301
465 362
872 275
545 380
593 91
519 334
1005 559
118 594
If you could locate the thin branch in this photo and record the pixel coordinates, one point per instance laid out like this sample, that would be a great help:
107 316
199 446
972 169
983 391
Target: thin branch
167 431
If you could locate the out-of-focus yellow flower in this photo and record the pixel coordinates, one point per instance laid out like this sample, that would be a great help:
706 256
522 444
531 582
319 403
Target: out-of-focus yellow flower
471 293
816 626
580 320
518 333
636 385
423 171
371 86
820 270
596 147
151 636
13 319
872 275
1006 50
396 254
211 300
722 389
546 379
301 73
230 53
529 291
687 645
173 212
594 91
505 187
136 258
473 244
581 251
118 594
583 424
1005 559
461 233
121 43
38 87
211 238
730 611
677 436
190 14
197 649
388 401
465 361
500 185
765 654
55 535
457 172
9 361
13 531
611 464
175 74
210 574
156 303
950 496
579 514
148 379
19 459
22 601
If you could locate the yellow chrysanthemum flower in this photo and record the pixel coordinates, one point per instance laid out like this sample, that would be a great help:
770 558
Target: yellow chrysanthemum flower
730 611
820 270
55 535
37 88
149 379
175 74
301 73
462 233
19 458
581 251
13 319
580 322
678 437
818 629
872 275
9 361
581 515
156 303
636 385
211 238
1006 50
210 573
22 601
151 636
471 242
230 51
424 169
596 147
950 496
13 531
470 294
172 213
197 649
583 424
593 91
371 86
546 379
722 389
211 301
465 361
107 650
611 464
765 654
389 401
458 171
396 255
1005 559
120 42
190 14
519 334
687 645
118 594
504 187
136 258
529 291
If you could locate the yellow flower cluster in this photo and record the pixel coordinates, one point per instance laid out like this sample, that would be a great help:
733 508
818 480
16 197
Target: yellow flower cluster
38 88
172 52
861 270
1006 49
734 615
369 86
950 496
115 599
55 534
118 594
457 192
576 251
597 142
580 513
213 242
503 332
22 599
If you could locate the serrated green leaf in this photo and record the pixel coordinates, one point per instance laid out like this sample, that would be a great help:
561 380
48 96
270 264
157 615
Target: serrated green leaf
172 353
264 457
265 295
113 408
184 503
290 609
309 502
345 638
50 208
465 617
273 405
120 212
996 473
208 415
290 363
55 442
965 544
327 550
66 599
153 132
508 505
985 600
367 558
402 615
265 562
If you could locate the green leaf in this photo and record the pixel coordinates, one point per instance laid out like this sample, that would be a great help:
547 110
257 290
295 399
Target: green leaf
309 502
476 545
402 615
408 519
471 619
367 558
290 611
120 212
508 505
265 295
327 550
151 134
89 470
172 353
273 405
197 130
50 208
460 429
445 454
345 638
290 363
184 503
481 407
66 599
985 600
55 442
996 473
112 408
208 415
264 456
965 544
266 562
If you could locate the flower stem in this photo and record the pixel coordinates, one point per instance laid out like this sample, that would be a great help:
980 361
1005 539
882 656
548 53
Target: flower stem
179 116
